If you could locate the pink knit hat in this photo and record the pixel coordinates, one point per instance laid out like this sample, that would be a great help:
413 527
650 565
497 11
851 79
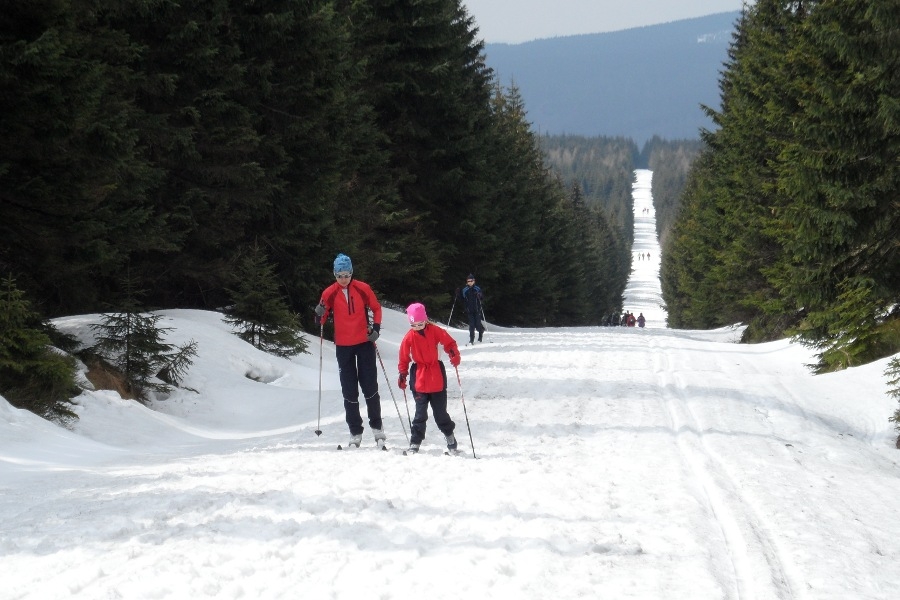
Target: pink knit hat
416 313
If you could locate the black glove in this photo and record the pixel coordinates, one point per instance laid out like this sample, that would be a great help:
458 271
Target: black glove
373 332
320 310
401 381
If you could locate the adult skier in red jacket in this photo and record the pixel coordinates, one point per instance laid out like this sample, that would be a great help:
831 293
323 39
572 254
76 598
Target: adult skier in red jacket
427 377
351 301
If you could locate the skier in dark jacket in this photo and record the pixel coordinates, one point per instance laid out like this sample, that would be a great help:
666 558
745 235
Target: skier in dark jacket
472 297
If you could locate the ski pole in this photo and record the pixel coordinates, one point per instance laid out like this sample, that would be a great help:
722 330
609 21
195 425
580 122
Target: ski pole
483 319
321 342
405 401
451 310
391 390
463 400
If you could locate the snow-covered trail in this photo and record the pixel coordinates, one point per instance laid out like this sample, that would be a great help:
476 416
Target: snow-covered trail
643 294
692 450
612 462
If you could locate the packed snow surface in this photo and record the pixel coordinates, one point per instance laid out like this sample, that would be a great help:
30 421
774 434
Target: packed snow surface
611 462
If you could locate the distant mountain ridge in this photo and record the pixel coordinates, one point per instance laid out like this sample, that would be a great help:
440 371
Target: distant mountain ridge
634 83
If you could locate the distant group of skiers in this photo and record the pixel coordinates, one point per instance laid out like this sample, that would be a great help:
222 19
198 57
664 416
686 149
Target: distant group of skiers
643 256
626 319
350 302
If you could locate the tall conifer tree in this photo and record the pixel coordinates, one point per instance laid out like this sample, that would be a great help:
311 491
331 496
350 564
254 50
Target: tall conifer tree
74 177
841 169
430 88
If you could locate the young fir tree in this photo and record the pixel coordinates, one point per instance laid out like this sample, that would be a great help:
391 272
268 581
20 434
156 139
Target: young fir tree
32 375
893 373
131 340
259 311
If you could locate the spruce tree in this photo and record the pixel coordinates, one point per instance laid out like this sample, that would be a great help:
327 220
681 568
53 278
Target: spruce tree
430 89
724 248
258 309
893 374
74 179
841 169
33 376
200 133
306 81
525 226
131 340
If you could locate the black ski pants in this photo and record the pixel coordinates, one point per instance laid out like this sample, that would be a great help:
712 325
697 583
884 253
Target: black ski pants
357 370
438 401
475 324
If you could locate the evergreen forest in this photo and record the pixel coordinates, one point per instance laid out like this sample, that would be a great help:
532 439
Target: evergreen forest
167 142
790 214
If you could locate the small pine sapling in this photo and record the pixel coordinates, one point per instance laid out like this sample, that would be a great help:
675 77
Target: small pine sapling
259 312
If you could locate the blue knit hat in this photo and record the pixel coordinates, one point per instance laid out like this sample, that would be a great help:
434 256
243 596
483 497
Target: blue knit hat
342 264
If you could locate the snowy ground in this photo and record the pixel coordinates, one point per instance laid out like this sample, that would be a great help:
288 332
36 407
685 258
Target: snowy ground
643 294
612 463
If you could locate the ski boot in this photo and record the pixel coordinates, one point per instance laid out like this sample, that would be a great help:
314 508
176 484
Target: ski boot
413 449
379 437
451 442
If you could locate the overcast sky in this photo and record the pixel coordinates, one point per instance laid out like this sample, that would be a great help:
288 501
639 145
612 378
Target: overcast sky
515 21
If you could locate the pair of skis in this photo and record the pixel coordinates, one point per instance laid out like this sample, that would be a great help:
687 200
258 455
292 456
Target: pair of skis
407 453
382 446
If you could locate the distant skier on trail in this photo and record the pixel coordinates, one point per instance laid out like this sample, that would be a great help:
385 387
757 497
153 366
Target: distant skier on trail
427 377
350 301
472 298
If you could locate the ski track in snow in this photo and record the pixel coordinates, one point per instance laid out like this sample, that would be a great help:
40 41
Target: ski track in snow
612 463
748 555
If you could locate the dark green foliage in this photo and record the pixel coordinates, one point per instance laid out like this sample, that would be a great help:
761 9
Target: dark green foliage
200 132
840 166
560 261
33 375
603 167
131 340
258 309
519 280
331 189
893 374
723 248
166 139
670 161
430 90
73 178
692 299
788 222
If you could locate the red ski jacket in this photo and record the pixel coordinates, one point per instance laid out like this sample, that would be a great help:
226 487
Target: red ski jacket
351 319
420 347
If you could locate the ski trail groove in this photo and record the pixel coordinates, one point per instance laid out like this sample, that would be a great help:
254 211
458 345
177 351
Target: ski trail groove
756 564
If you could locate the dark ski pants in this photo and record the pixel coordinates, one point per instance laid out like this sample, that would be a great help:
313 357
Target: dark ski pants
357 370
438 401
475 323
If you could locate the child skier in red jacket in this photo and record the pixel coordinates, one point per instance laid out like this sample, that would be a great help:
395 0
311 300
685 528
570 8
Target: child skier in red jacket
427 377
